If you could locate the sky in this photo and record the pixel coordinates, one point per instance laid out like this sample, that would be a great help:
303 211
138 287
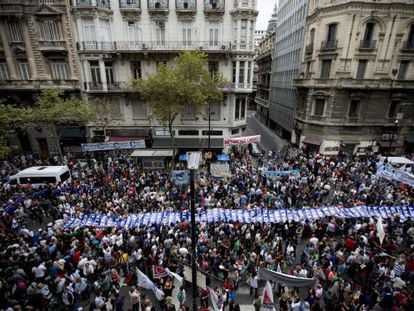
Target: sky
265 8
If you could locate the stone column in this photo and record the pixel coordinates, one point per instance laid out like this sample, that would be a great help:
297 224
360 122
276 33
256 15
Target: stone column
29 49
8 52
246 65
237 73
103 74
238 33
251 74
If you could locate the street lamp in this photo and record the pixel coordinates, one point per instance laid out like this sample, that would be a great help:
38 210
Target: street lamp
193 162
394 131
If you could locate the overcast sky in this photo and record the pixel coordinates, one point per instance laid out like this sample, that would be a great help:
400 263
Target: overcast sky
265 8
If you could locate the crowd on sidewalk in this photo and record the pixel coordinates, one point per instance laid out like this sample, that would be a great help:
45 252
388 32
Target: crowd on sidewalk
57 268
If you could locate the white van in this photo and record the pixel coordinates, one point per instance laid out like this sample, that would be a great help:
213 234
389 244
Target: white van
41 175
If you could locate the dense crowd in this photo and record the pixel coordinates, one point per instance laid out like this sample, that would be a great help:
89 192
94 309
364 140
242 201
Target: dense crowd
55 268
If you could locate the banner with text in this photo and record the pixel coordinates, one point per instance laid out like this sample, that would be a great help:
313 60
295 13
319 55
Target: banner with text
389 172
241 140
112 145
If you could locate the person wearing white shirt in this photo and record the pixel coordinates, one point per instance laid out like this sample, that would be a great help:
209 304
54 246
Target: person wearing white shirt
39 271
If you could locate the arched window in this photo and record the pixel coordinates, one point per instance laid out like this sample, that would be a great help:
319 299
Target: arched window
368 41
409 43
50 31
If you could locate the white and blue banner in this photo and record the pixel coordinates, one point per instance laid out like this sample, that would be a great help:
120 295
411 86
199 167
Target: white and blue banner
114 145
242 216
279 174
389 172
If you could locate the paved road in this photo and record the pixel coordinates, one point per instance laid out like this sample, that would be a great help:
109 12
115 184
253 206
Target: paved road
269 139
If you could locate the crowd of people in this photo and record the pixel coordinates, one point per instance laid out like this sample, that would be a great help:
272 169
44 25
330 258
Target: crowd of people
44 265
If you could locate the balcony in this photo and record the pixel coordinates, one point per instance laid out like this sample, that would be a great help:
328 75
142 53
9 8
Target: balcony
10 7
158 7
150 46
408 46
309 49
367 45
330 45
245 4
237 88
317 118
185 8
129 5
98 87
96 46
52 45
214 8
91 4
37 84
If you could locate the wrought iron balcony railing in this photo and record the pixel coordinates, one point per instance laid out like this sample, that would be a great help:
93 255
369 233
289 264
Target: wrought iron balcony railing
186 5
329 45
367 45
129 4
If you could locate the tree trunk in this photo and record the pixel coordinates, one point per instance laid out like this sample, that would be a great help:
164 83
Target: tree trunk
174 144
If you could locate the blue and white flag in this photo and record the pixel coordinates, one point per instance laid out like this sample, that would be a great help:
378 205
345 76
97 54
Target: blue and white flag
145 282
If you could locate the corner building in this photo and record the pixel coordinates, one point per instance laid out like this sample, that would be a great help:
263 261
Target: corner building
122 39
36 52
356 85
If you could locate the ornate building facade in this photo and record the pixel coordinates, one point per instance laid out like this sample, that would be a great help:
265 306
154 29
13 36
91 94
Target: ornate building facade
122 39
37 51
356 86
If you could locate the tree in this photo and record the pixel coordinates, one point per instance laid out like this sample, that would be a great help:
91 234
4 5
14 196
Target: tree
171 89
12 119
52 107
105 113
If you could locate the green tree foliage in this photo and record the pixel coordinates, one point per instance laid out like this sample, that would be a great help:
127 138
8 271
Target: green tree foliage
171 89
50 107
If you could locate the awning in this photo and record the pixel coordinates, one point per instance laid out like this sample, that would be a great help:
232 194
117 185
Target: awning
193 143
124 138
152 153
312 141
386 144
350 142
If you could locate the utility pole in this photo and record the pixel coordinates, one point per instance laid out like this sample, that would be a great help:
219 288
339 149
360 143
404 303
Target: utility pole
193 159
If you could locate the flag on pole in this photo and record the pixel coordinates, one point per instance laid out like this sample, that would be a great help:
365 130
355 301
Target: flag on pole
214 299
380 230
145 282
158 272
268 304
176 276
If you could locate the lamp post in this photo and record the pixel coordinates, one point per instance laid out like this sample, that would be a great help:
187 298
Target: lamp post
193 160
394 131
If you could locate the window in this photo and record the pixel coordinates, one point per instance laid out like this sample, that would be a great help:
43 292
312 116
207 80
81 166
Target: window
214 112
59 70
24 70
37 180
95 73
212 133
410 38
213 35
4 73
160 33
237 110
213 67
326 69
139 110
186 34
362 67
104 30
312 36
319 107
136 70
394 108
133 33
235 131
188 132
116 112
188 113
65 176
109 72
354 108
402 71
15 31
49 31
369 32
241 72
331 35
88 29
243 33
249 68
234 72
242 108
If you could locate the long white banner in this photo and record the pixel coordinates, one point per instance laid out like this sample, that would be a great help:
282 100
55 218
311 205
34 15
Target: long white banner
241 140
242 216
112 145
391 173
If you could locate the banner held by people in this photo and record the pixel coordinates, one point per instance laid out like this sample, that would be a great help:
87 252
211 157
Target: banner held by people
145 282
